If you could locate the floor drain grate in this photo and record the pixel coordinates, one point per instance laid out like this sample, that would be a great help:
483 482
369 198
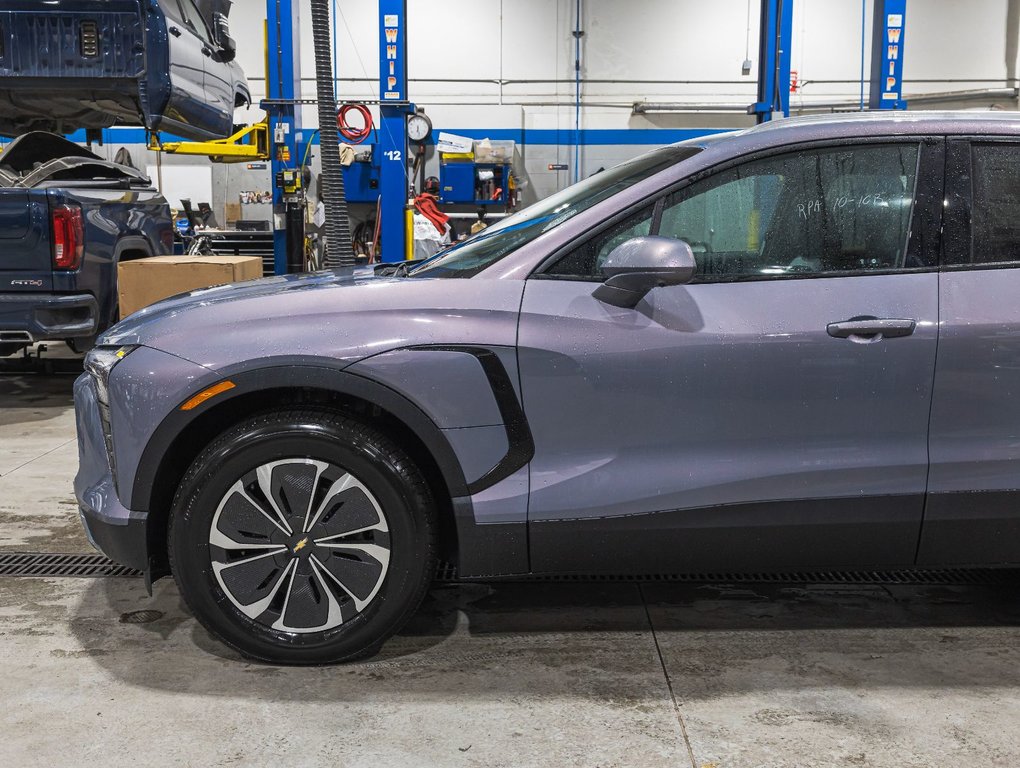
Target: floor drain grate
141 617
58 564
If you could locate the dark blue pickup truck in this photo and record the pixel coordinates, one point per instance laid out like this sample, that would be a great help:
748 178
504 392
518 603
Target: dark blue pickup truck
67 217
167 65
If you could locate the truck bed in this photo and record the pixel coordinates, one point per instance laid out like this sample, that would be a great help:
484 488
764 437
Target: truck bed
48 77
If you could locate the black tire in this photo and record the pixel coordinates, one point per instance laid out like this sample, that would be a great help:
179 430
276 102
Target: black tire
281 439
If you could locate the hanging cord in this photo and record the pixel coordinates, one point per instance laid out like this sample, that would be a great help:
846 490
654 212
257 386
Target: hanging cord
577 95
747 36
308 149
340 250
863 11
353 133
375 236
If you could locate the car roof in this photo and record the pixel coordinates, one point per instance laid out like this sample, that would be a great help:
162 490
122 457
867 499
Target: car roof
864 124
927 118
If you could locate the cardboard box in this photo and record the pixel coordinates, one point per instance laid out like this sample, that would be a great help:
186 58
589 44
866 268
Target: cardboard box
145 281
231 213
498 151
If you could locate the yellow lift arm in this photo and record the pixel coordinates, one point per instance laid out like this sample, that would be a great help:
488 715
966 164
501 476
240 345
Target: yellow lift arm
251 143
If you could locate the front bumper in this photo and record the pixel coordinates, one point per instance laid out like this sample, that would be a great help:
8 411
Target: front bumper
45 316
117 532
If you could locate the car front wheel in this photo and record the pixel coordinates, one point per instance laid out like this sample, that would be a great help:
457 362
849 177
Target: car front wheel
303 537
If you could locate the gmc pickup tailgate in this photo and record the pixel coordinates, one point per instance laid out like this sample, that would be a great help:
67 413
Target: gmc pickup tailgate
25 252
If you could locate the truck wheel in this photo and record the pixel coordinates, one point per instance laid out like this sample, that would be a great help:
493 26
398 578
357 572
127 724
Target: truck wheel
303 537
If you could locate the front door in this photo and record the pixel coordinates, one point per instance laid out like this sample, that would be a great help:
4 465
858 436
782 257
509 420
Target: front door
773 413
219 87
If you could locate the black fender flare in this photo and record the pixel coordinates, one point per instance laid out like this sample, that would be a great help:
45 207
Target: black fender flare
131 243
319 376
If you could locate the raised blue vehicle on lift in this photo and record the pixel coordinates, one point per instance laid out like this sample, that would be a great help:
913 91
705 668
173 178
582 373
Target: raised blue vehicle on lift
167 65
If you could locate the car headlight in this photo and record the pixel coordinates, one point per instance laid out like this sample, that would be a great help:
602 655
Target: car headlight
99 362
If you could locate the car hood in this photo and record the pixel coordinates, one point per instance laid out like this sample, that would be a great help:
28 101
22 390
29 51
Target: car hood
339 316
39 158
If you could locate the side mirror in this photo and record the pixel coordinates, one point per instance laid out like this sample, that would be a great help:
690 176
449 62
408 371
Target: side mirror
227 48
642 263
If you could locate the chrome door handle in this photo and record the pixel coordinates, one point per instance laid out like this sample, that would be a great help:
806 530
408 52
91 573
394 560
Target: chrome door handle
175 31
886 328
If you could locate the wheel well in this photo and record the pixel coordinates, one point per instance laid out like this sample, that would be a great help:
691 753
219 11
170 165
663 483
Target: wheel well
241 99
136 250
197 435
130 254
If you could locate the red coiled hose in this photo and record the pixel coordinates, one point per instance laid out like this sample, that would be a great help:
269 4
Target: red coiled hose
351 133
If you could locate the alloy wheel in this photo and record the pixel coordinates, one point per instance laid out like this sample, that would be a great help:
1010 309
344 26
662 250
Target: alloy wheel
299 545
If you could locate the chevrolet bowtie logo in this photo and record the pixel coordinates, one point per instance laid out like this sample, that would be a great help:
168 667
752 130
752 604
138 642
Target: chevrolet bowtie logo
301 545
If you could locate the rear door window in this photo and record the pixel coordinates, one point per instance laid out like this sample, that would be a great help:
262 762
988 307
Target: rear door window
995 206
195 21
172 10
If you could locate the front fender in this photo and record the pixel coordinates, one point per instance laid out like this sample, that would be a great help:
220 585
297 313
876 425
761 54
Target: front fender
460 402
482 464
282 376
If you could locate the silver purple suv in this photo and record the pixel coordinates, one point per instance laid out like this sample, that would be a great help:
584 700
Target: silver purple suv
791 347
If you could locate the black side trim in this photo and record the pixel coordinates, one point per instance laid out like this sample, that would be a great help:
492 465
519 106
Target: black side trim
521 444
124 544
836 533
489 550
970 528
956 239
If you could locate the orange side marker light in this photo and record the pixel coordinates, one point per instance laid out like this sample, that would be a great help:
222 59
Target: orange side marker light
206 394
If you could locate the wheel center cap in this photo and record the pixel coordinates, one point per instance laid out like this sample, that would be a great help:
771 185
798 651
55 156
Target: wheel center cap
300 545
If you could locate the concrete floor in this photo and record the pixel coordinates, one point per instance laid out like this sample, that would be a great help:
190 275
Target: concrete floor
507 675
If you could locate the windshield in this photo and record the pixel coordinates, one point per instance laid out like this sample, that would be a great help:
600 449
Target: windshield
493 243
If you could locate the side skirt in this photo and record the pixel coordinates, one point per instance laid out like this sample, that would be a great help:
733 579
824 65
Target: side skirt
761 536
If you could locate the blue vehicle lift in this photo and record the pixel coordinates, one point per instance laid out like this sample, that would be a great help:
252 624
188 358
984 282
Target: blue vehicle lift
889 25
394 107
774 60
283 90
888 28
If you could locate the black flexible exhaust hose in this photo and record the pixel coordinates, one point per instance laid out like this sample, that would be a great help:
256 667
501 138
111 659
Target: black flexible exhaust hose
339 249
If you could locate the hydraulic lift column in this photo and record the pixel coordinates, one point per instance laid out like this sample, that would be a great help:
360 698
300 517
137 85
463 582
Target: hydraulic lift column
774 60
283 89
888 28
394 107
